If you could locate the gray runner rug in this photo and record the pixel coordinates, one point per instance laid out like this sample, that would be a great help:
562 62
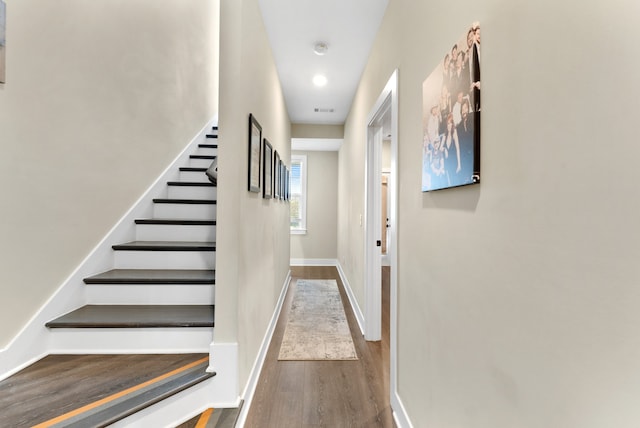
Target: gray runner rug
317 328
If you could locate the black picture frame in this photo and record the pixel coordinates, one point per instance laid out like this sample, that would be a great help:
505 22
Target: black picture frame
267 168
255 145
288 186
282 176
276 175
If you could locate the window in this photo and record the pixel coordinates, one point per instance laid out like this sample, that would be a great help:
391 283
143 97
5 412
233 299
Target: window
298 197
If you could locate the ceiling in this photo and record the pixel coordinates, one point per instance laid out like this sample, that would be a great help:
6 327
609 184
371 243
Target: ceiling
348 27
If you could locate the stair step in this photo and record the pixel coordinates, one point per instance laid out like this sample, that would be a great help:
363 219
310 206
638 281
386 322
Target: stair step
185 201
191 183
136 316
56 385
165 246
210 157
145 396
175 222
212 136
208 146
153 276
192 169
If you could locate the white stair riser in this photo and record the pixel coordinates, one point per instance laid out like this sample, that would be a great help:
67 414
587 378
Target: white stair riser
185 211
192 192
207 151
150 294
130 341
200 177
200 163
171 232
164 259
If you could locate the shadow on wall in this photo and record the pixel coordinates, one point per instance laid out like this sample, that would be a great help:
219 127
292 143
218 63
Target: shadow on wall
464 198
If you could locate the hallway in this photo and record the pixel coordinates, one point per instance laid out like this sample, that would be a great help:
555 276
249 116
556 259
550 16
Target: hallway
325 393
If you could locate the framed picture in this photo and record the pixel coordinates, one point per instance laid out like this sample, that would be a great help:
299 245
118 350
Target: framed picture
286 184
282 178
267 167
276 175
451 117
3 40
255 143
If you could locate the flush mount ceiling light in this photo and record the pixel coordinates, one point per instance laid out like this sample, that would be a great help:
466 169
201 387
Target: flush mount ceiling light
319 80
320 48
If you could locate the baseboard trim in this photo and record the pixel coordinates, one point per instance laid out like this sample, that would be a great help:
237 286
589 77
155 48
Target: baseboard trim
400 415
313 262
352 298
250 388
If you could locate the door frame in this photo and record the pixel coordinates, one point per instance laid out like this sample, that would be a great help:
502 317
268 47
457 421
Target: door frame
386 103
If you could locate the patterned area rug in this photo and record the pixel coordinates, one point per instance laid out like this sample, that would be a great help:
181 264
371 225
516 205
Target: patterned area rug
317 328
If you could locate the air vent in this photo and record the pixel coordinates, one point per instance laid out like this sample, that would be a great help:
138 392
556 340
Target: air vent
323 110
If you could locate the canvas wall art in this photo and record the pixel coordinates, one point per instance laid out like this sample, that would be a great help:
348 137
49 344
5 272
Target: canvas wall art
451 117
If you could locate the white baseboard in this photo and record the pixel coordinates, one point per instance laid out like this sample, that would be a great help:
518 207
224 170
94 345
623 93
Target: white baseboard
32 342
313 262
352 298
250 388
400 415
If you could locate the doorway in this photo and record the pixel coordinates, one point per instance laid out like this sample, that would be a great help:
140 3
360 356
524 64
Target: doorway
382 125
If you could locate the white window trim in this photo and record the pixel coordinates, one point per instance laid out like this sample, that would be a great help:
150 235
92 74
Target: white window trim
302 230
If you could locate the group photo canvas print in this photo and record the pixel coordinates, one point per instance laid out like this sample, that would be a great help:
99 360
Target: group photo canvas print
451 117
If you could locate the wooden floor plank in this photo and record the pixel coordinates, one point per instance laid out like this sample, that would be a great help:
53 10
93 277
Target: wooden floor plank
324 393
58 384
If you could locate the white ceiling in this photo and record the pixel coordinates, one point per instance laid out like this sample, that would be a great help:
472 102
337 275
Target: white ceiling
347 26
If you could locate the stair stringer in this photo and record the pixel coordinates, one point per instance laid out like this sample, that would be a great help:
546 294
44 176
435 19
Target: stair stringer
218 392
34 340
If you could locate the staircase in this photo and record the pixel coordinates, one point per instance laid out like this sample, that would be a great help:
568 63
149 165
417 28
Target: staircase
158 298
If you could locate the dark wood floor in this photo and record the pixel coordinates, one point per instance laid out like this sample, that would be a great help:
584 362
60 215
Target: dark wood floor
58 384
325 393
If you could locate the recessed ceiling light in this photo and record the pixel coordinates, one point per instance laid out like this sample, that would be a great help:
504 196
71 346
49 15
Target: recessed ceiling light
319 80
320 48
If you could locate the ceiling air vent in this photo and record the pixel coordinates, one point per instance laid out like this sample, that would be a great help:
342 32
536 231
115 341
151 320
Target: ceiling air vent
323 110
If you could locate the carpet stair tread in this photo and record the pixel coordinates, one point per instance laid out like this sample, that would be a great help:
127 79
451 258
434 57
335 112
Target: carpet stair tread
153 276
136 316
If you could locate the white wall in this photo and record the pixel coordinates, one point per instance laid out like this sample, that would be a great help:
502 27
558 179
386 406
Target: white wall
518 297
100 97
320 241
252 259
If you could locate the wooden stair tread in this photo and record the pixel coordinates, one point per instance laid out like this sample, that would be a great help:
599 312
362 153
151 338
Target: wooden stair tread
58 384
165 246
136 316
185 201
212 136
191 183
153 276
202 157
192 169
179 222
208 146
